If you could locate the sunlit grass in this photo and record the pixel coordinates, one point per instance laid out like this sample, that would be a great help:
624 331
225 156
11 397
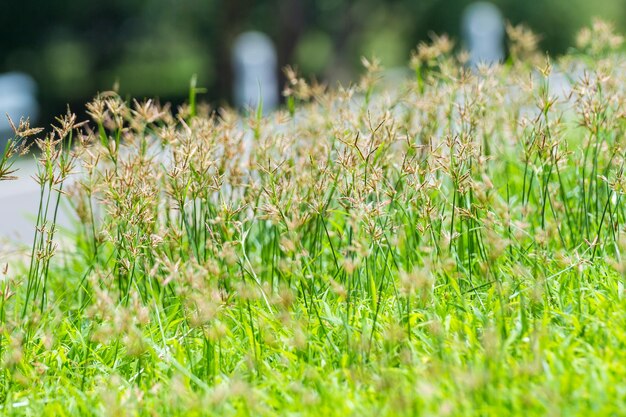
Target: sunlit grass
449 246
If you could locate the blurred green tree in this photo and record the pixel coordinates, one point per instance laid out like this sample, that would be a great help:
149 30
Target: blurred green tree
152 47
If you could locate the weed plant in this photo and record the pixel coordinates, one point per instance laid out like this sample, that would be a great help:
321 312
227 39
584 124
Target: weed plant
449 246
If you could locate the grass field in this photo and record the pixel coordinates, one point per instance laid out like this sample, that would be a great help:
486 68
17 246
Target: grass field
450 246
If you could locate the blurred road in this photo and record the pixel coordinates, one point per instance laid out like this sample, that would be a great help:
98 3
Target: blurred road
19 202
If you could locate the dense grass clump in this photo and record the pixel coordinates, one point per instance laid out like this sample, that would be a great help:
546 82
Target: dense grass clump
448 246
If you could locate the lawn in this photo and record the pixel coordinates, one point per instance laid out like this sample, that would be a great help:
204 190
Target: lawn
450 245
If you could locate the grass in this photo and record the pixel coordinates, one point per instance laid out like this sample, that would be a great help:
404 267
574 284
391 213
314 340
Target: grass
449 246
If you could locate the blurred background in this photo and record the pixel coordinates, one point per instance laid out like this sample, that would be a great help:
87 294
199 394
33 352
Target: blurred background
54 53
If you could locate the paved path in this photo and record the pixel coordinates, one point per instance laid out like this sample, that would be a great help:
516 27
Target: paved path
19 202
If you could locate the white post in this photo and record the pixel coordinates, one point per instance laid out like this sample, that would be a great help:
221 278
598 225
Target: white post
255 71
483 31
17 99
